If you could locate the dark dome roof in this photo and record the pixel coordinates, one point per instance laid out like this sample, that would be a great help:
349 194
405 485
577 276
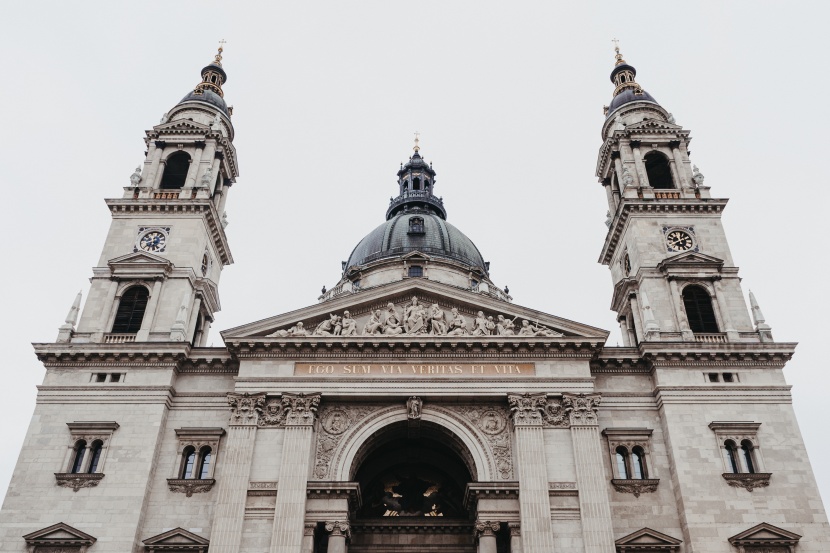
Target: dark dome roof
208 97
627 96
439 239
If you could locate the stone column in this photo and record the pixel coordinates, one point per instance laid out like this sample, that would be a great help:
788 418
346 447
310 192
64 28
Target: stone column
590 476
720 304
195 163
194 318
299 411
682 319
486 534
152 175
234 472
515 537
624 331
534 503
307 545
339 532
638 320
642 177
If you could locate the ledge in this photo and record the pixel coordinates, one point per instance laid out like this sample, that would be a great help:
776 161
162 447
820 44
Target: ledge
76 481
636 487
747 481
190 486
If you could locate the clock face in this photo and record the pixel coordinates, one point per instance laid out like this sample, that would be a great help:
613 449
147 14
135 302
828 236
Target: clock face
679 241
153 241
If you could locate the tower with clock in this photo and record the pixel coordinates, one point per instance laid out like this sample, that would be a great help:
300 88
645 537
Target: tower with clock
157 278
674 277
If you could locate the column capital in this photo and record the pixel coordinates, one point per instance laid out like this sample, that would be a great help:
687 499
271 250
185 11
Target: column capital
300 409
527 409
487 528
245 408
582 408
309 528
339 528
515 529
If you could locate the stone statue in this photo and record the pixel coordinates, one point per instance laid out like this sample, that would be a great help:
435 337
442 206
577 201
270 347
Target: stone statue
671 119
225 221
392 324
537 330
373 325
608 219
505 327
618 124
328 326
458 324
296 330
217 123
207 178
697 176
627 178
164 119
437 322
414 318
135 178
480 325
413 408
349 325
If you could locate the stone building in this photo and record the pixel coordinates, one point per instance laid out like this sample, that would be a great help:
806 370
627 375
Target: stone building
414 407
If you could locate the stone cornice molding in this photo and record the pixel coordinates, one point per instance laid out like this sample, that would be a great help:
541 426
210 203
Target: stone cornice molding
636 487
748 481
582 408
204 207
733 354
489 490
655 208
76 481
177 355
245 408
190 486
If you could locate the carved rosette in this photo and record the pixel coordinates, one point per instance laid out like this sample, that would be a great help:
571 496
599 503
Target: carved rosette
339 528
190 486
527 409
581 408
273 413
486 528
335 420
245 408
636 487
492 421
76 481
748 481
300 409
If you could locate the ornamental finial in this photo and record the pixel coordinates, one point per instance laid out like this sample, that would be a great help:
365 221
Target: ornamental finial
417 148
618 56
218 59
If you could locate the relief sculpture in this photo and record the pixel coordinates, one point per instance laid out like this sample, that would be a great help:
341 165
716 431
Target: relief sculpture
335 420
492 421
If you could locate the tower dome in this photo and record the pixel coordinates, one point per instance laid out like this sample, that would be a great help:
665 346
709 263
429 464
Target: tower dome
626 88
210 89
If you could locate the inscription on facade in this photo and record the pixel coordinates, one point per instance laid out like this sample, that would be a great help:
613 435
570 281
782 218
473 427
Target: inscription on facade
403 370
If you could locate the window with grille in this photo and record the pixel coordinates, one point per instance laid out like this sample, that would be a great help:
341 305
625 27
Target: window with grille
699 310
131 310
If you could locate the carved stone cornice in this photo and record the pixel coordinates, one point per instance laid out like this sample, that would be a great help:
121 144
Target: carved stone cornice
489 490
245 408
339 528
300 409
748 481
636 487
581 408
177 355
76 481
190 486
731 354
486 528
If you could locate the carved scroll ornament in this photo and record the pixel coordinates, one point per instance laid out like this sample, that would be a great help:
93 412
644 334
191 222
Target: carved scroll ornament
245 408
537 409
300 409
581 408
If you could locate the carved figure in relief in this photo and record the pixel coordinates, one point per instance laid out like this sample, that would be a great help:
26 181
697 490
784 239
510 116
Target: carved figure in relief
373 325
437 321
697 176
458 324
392 324
349 325
207 178
414 318
296 330
327 327
536 330
504 326
224 221
627 178
490 325
480 325
135 178
413 408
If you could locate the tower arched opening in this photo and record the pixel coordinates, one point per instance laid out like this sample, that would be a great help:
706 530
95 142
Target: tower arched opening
658 171
175 171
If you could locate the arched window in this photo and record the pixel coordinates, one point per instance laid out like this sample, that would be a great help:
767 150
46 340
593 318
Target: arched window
416 184
131 309
406 185
78 457
658 171
204 463
175 171
699 309
730 456
95 456
638 463
747 462
188 461
622 463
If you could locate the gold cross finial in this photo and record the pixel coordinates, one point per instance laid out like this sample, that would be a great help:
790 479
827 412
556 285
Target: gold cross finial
618 56
218 59
417 139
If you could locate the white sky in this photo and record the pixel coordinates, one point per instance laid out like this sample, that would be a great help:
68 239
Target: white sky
508 99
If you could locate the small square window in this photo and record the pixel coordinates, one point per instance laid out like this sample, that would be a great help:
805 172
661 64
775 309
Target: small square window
115 377
728 377
714 377
416 271
101 377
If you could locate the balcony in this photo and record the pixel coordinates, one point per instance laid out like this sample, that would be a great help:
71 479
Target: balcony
416 197
711 338
119 338
165 195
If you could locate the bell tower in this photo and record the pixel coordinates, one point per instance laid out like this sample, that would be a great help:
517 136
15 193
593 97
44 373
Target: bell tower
674 276
158 275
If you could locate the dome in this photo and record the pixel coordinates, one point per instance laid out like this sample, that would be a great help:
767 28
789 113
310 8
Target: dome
208 97
438 239
627 96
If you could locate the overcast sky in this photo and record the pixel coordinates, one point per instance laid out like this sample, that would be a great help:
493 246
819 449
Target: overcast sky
508 99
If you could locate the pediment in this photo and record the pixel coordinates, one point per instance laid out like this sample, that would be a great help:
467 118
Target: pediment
59 534
370 311
647 539
140 265
416 255
765 534
181 125
177 539
653 124
691 260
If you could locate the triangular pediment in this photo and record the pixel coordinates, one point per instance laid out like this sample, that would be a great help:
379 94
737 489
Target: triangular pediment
416 255
765 533
653 124
59 534
435 305
140 265
691 260
647 539
138 257
180 125
176 539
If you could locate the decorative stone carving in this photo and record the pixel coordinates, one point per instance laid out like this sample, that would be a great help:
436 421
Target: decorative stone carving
190 486
515 529
300 409
554 414
581 408
338 528
392 324
77 481
207 178
309 528
415 317
527 409
437 320
748 480
413 408
697 176
296 330
334 422
458 324
216 125
374 324
245 408
224 220
492 421
529 329
330 327
627 178
164 119
135 178
272 413
348 325
636 487
486 528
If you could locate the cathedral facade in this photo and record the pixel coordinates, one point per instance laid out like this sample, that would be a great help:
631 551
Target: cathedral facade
414 407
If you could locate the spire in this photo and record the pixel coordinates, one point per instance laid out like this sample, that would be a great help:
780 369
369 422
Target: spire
218 59
213 76
761 326
623 74
417 148
416 180
68 328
